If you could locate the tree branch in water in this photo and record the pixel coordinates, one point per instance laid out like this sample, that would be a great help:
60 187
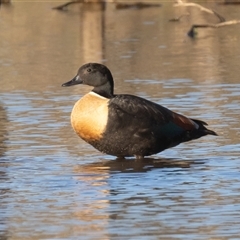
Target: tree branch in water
192 32
65 5
138 5
176 19
180 3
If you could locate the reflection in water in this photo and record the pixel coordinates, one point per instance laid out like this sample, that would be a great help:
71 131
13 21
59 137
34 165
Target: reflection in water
136 196
3 130
44 197
92 211
93 31
135 165
95 179
4 179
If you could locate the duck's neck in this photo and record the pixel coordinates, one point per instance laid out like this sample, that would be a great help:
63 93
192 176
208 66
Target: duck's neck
105 90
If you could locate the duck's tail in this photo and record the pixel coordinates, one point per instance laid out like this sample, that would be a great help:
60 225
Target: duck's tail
203 129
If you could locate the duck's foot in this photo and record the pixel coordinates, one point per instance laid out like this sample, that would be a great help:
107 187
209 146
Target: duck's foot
120 158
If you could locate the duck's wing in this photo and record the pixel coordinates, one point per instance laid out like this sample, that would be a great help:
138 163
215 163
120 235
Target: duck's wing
129 110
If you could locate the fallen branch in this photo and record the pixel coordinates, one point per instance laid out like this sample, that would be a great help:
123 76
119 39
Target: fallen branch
65 5
230 2
220 17
176 19
180 3
192 32
138 5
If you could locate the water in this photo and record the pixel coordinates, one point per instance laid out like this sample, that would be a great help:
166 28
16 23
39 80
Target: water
55 186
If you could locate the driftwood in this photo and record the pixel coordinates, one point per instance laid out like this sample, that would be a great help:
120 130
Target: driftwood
222 21
138 5
192 32
180 3
65 5
4 1
230 2
176 19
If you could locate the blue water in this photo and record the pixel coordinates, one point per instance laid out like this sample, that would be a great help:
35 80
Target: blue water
55 186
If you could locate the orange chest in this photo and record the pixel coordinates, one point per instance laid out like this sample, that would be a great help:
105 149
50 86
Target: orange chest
89 116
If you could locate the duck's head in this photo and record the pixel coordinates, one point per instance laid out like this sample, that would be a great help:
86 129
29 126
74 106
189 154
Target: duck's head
95 75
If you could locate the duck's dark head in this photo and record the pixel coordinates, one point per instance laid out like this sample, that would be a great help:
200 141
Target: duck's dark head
95 75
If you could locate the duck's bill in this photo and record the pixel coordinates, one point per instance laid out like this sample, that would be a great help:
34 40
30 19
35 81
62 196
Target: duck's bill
76 80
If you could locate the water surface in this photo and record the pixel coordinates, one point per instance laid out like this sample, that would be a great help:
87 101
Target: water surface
55 186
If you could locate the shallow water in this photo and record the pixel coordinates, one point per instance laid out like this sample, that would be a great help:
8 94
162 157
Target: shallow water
55 186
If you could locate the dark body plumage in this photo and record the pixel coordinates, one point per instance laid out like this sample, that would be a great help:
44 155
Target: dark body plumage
133 126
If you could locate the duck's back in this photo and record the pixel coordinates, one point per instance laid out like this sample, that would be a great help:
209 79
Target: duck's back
139 127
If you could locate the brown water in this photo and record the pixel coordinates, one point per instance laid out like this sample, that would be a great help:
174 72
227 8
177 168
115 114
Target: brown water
55 186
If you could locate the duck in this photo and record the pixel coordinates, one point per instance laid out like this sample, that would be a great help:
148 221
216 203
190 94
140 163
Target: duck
125 125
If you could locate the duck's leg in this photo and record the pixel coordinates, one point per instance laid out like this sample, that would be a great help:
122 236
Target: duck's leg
139 157
120 158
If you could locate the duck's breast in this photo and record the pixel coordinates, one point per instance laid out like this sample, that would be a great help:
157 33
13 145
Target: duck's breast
89 116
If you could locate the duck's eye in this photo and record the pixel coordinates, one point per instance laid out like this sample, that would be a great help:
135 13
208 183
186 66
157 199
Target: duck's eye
89 69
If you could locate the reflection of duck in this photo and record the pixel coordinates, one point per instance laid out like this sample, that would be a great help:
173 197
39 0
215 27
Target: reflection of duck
128 166
126 125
